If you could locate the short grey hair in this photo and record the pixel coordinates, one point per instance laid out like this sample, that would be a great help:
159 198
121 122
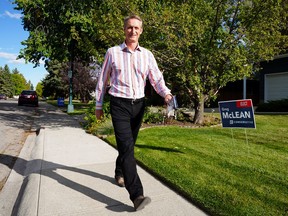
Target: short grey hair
132 17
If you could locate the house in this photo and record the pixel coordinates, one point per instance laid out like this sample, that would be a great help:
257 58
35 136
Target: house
274 79
272 84
235 91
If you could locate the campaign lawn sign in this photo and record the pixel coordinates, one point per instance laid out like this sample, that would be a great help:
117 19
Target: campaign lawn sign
237 113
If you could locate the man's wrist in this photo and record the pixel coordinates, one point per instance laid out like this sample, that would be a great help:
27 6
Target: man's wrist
98 107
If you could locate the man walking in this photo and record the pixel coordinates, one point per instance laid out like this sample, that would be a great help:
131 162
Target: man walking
126 67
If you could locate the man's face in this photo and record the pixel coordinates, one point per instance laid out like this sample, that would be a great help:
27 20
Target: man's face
133 30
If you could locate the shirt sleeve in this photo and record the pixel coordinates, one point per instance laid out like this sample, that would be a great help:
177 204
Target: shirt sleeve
102 81
156 78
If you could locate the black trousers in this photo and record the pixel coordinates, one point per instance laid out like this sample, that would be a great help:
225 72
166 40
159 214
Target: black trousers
127 117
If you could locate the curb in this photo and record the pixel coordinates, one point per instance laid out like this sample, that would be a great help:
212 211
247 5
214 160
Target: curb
12 192
29 192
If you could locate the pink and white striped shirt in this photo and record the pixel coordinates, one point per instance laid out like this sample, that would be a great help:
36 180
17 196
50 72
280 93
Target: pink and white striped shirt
127 72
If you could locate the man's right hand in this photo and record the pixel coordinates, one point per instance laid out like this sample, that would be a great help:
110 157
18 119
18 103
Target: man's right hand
99 114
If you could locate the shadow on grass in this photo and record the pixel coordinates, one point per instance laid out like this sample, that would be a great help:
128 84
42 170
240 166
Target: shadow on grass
158 148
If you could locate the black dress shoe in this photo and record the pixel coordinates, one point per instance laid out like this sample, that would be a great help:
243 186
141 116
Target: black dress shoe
140 202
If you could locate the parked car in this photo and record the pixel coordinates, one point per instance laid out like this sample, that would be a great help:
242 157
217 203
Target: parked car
3 97
28 97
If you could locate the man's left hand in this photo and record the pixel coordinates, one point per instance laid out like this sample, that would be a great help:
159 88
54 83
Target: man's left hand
168 98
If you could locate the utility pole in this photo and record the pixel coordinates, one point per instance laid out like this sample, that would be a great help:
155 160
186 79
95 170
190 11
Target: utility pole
244 87
70 107
70 75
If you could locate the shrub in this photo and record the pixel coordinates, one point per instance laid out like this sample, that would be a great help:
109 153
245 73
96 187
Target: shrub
99 126
153 117
184 115
273 106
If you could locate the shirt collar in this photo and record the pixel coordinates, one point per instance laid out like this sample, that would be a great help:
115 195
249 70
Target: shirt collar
125 48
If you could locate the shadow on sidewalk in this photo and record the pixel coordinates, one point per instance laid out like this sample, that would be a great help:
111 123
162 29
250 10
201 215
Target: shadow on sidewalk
48 169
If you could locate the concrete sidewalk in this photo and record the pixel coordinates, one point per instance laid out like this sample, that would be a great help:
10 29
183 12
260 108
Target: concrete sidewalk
65 171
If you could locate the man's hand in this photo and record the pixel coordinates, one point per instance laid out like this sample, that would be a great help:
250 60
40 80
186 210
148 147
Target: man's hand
99 114
168 98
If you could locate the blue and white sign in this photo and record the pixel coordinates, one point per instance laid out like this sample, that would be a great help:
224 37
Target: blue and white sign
60 102
237 113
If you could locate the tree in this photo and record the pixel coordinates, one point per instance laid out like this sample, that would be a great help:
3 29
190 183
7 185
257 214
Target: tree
61 31
6 84
53 85
39 89
58 30
12 83
19 82
84 80
203 45
200 45
56 83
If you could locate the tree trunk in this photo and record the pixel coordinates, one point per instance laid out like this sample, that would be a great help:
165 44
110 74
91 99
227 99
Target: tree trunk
199 111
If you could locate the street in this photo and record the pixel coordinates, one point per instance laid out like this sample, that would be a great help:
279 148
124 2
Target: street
15 125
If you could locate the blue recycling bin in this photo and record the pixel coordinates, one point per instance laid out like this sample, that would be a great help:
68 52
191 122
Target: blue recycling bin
60 102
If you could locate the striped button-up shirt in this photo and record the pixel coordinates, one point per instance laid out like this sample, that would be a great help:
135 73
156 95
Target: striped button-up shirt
127 73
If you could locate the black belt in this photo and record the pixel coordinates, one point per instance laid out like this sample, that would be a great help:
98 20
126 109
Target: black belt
127 100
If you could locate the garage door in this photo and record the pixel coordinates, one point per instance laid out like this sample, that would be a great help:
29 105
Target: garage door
276 86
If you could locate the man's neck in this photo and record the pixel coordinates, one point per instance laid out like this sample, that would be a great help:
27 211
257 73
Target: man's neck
132 46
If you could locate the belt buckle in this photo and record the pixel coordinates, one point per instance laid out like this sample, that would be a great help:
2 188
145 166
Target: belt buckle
132 101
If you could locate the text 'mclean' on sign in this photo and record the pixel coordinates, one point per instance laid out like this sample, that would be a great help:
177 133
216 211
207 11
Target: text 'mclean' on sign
237 113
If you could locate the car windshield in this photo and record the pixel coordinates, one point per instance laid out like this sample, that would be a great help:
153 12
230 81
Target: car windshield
28 92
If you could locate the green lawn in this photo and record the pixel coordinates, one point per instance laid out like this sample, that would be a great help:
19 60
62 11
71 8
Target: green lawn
79 108
224 171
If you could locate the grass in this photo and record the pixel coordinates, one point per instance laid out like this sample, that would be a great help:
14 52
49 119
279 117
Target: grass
79 108
224 171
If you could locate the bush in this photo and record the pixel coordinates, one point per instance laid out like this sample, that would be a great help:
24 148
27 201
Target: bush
184 115
273 106
90 117
153 117
99 126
